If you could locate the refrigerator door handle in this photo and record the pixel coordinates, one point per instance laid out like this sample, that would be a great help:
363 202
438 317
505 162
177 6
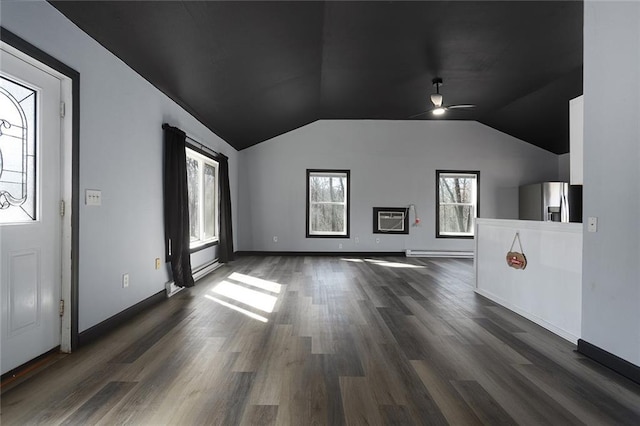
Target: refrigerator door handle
564 209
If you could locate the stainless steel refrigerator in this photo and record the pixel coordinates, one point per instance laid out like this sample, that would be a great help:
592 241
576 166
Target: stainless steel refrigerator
551 202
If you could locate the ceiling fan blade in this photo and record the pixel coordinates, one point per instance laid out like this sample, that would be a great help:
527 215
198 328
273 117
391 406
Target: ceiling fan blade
460 106
418 115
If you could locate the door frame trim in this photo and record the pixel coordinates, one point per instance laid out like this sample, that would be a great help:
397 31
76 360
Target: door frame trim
69 338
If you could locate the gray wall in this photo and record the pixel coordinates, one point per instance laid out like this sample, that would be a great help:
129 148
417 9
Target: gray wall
120 154
564 169
611 256
392 163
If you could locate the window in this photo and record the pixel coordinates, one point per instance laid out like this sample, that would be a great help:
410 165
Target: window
328 203
18 106
202 182
457 203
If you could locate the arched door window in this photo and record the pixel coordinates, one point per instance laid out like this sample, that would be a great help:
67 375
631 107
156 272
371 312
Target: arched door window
18 106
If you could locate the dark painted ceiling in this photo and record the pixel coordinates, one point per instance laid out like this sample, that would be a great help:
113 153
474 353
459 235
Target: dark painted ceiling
253 70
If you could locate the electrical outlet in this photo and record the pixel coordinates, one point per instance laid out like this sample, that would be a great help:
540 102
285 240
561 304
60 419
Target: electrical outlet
125 280
275 239
357 240
339 246
157 263
377 240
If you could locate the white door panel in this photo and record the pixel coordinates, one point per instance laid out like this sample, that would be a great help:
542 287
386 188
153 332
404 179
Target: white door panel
30 248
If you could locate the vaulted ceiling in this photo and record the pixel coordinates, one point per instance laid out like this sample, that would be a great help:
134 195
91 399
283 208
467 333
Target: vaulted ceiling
250 71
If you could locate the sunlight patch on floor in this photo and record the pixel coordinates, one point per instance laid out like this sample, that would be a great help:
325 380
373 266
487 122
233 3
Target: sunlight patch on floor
393 264
237 308
256 299
385 263
256 282
248 295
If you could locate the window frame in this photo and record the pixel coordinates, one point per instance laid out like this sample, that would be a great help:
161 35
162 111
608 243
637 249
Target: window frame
465 173
347 202
205 157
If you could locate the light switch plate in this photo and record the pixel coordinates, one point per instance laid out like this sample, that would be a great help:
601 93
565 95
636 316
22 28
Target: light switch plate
93 197
592 224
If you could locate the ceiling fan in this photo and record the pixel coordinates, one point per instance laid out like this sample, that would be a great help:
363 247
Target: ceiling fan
436 100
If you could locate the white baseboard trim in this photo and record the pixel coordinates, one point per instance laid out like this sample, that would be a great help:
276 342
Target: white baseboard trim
438 253
565 334
206 269
172 288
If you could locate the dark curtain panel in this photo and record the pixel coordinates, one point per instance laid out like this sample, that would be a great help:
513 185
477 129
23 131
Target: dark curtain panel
176 206
225 250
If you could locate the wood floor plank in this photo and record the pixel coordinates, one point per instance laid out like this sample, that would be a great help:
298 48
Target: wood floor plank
359 405
501 350
561 375
589 410
331 375
383 383
55 403
396 415
144 401
454 409
260 415
186 395
139 347
266 389
350 340
227 408
305 399
423 408
407 341
520 398
99 403
483 405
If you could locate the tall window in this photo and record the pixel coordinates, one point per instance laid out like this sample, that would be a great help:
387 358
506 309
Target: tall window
457 203
202 181
328 203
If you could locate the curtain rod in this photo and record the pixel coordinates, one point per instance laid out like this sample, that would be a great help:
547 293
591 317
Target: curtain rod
202 146
199 144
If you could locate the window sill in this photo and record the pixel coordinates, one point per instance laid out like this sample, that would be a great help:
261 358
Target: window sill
202 246
461 237
327 236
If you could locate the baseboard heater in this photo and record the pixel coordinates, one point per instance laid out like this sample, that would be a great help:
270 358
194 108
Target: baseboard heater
172 288
439 253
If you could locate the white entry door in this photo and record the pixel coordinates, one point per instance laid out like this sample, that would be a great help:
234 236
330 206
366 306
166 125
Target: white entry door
30 221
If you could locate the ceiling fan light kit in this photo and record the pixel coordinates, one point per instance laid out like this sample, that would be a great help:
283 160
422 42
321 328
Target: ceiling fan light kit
436 100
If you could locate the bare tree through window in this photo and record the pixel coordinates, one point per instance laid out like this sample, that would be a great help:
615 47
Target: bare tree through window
202 186
327 203
457 203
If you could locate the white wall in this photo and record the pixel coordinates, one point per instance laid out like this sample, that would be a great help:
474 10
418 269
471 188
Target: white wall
392 164
121 154
564 167
549 290
576 140
611 256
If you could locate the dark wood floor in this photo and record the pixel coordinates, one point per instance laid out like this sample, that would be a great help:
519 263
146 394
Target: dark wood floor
348 341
